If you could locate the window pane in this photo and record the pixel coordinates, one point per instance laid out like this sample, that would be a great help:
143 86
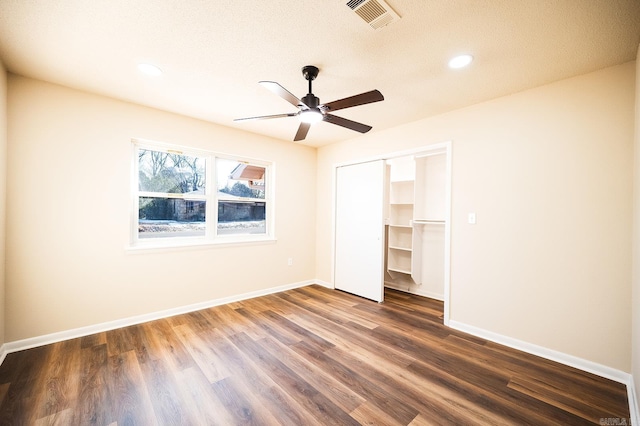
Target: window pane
240 187
235 217
170 173
240 179
170 217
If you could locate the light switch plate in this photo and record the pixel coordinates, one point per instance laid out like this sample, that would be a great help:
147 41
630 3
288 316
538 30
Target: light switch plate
472 218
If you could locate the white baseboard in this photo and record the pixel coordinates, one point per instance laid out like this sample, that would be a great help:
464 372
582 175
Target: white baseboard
3 353
417 291
325 284
570 360
33 342
632 394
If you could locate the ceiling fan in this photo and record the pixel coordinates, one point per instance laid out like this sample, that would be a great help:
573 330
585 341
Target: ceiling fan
310 110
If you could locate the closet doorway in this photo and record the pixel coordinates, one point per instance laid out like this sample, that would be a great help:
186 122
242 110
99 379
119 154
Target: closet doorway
392 224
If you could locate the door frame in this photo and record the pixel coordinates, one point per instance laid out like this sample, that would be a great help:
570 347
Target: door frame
431 149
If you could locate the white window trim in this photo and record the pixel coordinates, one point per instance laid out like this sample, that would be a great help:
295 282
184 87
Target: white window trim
211 213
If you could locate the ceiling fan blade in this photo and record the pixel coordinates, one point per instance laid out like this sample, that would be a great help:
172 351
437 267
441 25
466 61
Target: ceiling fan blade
361 99
349 124
265 117
302 131
282 92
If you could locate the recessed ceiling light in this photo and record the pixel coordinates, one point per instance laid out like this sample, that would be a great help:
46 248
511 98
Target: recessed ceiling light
460 61
149 69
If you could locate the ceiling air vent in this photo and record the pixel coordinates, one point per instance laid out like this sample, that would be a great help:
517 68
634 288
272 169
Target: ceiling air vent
376 13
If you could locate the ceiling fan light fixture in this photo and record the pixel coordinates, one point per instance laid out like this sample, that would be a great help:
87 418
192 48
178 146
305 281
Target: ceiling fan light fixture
460 61
311 116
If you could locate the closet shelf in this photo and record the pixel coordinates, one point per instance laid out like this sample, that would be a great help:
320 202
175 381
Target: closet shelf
400 248
428 222
402 271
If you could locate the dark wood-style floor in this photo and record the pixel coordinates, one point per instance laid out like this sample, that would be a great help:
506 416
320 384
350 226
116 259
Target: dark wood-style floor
301 357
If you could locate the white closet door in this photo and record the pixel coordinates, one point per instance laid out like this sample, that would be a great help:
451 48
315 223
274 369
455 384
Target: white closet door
359 261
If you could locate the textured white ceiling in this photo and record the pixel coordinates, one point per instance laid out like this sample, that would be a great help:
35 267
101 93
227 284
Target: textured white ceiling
214 52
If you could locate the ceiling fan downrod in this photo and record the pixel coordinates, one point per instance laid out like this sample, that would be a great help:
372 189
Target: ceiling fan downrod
310 72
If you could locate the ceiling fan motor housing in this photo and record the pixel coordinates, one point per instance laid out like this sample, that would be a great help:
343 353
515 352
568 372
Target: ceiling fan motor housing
311 100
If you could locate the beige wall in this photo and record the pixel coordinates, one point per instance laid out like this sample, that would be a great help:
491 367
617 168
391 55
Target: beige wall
635 351
69 158
549 174
3 192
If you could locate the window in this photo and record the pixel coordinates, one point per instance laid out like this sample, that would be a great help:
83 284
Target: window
186 196
241 197
171 194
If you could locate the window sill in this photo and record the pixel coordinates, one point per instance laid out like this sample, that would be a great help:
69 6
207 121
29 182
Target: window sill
191 244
